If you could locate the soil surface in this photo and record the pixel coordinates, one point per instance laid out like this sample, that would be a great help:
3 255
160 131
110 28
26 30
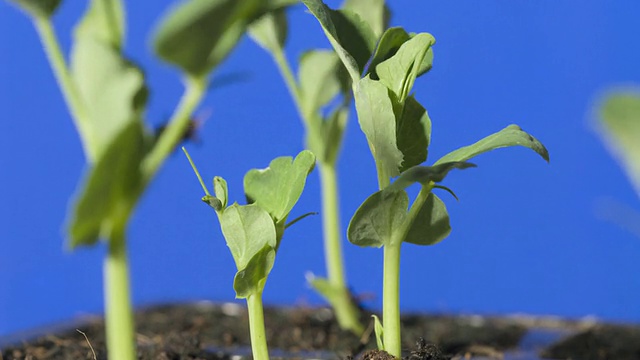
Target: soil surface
210 331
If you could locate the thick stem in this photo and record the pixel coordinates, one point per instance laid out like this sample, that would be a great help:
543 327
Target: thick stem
391 300
346 311
256 327
65 81
178 124
118 310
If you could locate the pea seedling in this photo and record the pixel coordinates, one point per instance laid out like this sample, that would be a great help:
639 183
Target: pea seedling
398 131
253 232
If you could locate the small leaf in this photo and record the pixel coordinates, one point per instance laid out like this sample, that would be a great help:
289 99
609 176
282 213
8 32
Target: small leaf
247 229
413 133
38 8
251 279
325 288
379 331
399 72
110 189
198 34
389 44
512 135
333 132
104 22
377 121
277 188
270 30
373 12
431 225
620 120
376 219
318 78
221 190
213 201
352 38
426 174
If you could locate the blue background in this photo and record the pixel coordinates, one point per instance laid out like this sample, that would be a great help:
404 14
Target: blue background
526 235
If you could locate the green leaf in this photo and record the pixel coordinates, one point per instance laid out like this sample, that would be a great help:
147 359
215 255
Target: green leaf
413 133
330 292
426 174
277 188
221 191
104 22
213 201
198 34
373 12
431 225
620 129
512 135
351 37
389 44
247 229
399 72
379 331
377 121
38 8
112 90
376 219
252 278
333 132
319 80
110 188
270 30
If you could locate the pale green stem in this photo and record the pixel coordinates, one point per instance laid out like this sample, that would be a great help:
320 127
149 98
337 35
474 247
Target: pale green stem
346 312
289 79
256 327
69 90
178 124
118 311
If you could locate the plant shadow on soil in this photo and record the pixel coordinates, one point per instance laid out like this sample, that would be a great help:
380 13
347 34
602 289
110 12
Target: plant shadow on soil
209 331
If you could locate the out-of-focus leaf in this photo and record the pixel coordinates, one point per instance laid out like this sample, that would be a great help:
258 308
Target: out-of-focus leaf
278 187
426 174
620 129
333 132
318 79
373 12
512 135
247 229
413 133
351 37
104 21
270 30
376 219
198 34
110 188
431 225
377 121
37 8
252 278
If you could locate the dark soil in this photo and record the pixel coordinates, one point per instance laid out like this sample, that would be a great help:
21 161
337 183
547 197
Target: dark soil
219 331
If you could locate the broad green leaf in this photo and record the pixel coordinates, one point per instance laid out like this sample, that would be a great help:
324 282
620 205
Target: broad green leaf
221 191
104 21
252 278
426 174
379 332
399 72
373 12
110 188
277 188
376 219
38 8
377 121
620 119
512 135
351 37
270 30
247 229
389 44
413 133
198 34
318 79
112 90
431 225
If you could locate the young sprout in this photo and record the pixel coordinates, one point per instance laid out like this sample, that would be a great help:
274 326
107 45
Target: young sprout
398 131
253 232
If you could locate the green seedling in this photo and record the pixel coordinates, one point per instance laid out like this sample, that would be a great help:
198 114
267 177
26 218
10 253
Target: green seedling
398 131
320 80
106 95
253 232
